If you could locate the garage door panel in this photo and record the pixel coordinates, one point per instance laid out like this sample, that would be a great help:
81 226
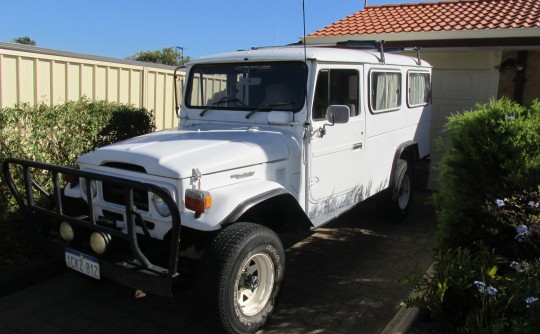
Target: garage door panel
443 108
477 85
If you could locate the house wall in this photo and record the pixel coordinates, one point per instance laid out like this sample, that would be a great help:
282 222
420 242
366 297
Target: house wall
530 73
36 75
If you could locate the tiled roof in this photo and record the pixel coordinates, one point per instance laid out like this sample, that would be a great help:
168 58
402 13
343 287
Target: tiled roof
447 15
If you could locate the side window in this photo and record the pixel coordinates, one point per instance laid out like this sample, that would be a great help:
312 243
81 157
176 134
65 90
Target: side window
419 89
385 91
335 86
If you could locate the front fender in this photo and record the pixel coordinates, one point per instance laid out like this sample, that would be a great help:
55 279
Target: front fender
230 202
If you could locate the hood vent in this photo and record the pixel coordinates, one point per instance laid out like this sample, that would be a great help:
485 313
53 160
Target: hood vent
125 166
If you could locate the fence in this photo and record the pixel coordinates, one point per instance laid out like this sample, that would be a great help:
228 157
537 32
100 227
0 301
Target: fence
36 75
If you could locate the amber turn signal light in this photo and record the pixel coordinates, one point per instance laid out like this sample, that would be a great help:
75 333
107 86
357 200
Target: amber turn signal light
198 200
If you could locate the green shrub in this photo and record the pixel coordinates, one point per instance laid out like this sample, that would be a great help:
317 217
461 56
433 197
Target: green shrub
479 292
445 292
58 135
487 271
514 218
491 150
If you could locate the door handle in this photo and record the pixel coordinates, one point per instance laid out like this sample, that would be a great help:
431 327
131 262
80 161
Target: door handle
357 146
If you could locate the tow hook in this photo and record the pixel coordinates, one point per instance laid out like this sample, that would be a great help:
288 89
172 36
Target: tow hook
140 294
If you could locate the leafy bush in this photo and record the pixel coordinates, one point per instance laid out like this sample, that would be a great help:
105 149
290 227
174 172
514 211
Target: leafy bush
491 150
516 218
58 135
487 271
480 292
445 292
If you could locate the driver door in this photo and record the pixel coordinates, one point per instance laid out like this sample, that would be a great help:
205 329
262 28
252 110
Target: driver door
336 153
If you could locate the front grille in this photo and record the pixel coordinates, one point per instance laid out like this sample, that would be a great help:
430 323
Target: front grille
115 194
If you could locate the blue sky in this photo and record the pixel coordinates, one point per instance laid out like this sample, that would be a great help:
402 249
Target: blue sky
120 28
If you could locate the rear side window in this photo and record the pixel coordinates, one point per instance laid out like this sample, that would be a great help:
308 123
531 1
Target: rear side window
385 91
419 89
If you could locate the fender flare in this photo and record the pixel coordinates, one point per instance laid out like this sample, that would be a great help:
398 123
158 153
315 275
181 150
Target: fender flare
399 153
232 201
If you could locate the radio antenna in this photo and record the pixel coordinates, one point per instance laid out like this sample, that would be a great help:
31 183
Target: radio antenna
304 22
305 62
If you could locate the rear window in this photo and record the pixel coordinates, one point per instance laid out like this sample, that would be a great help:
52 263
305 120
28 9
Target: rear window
419 89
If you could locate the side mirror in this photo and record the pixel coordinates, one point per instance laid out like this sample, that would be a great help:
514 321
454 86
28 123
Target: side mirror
338 114
335 114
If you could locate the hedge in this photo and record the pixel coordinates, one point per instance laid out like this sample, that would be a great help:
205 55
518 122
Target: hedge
59 135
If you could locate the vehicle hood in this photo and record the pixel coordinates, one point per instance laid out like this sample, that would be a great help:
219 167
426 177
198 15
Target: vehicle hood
174 153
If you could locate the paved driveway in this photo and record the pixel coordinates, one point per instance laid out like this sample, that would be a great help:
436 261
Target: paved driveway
341 279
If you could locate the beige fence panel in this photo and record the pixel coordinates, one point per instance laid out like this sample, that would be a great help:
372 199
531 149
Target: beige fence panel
35 75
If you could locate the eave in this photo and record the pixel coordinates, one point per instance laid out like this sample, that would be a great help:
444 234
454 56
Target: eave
455 38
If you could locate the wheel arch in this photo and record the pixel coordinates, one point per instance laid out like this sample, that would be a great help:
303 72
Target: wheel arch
407 151
276 209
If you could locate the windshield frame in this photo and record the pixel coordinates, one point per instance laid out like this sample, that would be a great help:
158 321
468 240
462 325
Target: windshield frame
219 99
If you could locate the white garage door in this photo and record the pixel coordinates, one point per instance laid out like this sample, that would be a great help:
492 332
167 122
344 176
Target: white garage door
460 80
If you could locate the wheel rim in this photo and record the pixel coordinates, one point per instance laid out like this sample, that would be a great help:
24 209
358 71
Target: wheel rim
255 283
404 192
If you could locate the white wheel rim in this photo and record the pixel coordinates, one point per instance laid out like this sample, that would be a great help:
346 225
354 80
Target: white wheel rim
404 192
260 268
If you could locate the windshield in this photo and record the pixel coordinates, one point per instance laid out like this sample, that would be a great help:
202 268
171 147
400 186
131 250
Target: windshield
252 87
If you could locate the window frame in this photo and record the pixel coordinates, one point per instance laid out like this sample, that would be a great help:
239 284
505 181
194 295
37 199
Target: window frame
192 81
358 91
409 104
400 100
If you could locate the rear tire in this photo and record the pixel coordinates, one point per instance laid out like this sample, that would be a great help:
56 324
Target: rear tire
239 278
401 191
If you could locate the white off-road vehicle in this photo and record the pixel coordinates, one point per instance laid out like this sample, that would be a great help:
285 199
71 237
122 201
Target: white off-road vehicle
270 140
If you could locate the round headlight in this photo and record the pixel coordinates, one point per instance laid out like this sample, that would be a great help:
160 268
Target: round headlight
161 206
99 242
92 187
66 231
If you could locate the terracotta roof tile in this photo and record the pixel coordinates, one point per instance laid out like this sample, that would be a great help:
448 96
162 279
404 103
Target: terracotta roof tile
446 15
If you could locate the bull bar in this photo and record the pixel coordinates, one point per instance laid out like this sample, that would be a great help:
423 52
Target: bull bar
138 274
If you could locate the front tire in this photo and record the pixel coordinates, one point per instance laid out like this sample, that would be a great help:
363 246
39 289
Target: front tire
240 275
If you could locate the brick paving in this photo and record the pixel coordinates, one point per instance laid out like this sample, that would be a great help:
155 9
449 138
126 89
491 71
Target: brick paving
340 279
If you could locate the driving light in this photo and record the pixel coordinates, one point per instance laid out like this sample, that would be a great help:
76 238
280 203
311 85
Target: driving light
66 231
198 200
99 242
161 207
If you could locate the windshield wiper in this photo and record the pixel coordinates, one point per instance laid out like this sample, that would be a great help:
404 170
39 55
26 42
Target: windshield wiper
224 99
268 105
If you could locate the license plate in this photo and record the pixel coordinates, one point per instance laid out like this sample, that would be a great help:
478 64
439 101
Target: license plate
82 263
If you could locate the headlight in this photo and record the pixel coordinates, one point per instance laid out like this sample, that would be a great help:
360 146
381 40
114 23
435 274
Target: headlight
84 188
161 206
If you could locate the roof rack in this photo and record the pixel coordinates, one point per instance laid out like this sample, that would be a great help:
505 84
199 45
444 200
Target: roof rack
379 45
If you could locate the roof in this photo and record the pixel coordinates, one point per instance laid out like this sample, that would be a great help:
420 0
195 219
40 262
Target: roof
457 16
298 53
